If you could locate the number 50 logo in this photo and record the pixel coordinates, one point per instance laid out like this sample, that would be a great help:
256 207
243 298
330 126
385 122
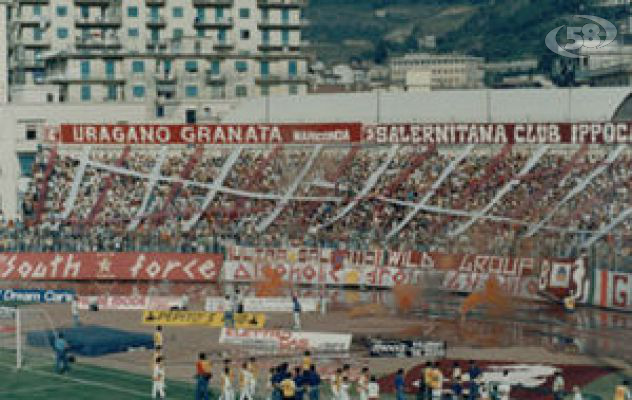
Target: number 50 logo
582 36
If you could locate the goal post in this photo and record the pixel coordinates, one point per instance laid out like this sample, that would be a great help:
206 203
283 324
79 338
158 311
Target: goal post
25 337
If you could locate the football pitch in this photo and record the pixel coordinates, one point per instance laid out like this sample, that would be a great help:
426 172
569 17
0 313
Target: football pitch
84 381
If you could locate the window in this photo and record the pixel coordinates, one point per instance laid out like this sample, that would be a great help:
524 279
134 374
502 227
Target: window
265 67
191 91
177 12
85 12
154 13
265 14
138 91
244 34
86 93
241 91
265 90
219 13
285 15
215 67
167 66
132 12
133 32
244 13
265 36
200 33
200 14
37 34
138 67
62 33
38 76
191 66
178 33
62 11
190 117
293 90
109 68
37 9
85 33
285 37
85 69
221 35
111 92
292 67
155 35
241 66
160 111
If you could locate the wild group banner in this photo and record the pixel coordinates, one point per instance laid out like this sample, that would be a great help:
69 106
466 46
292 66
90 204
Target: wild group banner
175 267
524 287
478 263
130 302
286 340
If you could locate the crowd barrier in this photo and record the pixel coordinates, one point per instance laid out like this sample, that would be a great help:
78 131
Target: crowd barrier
527 278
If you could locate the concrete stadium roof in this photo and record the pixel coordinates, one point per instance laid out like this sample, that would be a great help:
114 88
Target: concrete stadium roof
507 105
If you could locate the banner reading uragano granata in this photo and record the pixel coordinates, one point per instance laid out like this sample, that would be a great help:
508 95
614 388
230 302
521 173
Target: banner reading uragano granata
173 267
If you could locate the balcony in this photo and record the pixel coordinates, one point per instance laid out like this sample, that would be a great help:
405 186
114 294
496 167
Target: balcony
281 3
224 45
100 3
98 43
226 22
27 62
30 43
28 20
282 49
214 78
165 78
278 24
160 44
75 78
159 3
103 21
33 1
156 21
280 79
213 3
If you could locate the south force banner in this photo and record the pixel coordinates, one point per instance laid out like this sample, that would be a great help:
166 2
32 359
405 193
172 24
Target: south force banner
176 267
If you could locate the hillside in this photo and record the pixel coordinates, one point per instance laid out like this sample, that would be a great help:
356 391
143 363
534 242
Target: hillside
341 30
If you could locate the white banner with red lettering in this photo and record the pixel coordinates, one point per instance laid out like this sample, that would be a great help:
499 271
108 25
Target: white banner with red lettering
286 340
130 302
265 304
470 282
322 274
174 267
612 290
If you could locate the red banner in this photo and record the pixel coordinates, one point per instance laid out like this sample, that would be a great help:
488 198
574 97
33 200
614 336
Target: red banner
500 133
143 134
173 267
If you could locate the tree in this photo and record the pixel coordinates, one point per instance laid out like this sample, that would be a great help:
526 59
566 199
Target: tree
381 52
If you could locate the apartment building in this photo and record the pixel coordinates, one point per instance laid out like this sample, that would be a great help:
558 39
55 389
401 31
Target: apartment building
162 51
439 71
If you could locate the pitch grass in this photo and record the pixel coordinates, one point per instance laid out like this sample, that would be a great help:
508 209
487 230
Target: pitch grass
84 381
90 382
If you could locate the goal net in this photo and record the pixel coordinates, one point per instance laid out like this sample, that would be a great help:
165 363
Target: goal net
26 336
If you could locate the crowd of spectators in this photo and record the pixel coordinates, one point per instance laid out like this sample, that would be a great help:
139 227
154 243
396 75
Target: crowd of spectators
162 200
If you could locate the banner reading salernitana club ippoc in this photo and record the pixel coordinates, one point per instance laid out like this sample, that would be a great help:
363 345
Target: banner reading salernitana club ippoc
456 133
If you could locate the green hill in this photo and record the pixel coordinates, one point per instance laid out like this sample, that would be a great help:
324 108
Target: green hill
341 30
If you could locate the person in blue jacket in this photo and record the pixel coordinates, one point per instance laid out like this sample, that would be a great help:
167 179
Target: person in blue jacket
300 383
314 383
399 385
61 347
